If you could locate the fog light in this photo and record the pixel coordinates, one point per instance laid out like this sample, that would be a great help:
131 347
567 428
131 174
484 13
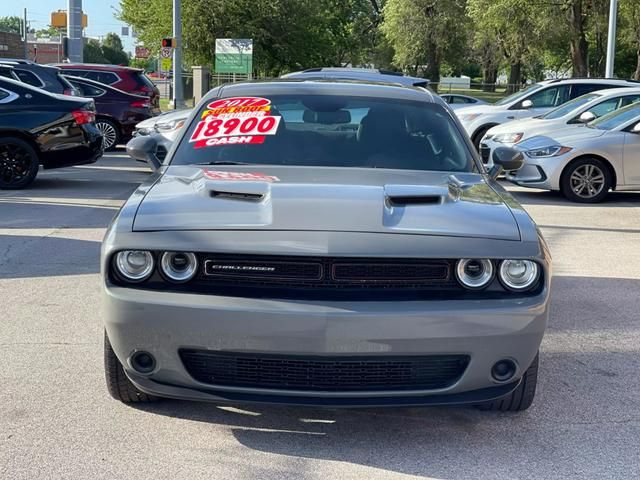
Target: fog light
143 362
503 370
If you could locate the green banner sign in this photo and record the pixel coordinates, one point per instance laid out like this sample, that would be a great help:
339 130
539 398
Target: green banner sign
234 55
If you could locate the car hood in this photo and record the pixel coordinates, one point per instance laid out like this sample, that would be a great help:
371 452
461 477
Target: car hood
325 199
567 136
165 117
478 109
518 126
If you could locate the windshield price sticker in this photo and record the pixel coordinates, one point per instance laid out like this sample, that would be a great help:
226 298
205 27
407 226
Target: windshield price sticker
235 121
239 176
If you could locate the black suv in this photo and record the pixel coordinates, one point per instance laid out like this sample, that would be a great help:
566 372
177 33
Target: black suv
41 76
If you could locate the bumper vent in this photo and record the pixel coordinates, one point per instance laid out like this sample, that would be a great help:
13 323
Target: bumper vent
336 374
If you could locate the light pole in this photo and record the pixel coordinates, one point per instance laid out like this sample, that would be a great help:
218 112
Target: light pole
74 30
177 101
611 39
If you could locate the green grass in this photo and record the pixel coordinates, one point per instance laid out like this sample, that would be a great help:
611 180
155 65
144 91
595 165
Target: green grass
164 104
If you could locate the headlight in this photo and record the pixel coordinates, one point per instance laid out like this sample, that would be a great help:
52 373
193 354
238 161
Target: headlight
168 126
134 265
474 274
550 151
508 137
468 117
518 275
179 266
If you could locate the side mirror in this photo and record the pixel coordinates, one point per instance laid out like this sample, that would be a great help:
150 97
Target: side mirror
527 104
586 117
505 158
636 128
143 149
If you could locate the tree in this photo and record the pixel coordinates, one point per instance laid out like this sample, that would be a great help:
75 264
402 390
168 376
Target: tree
11 24
424 32
113 50
92 52
630 32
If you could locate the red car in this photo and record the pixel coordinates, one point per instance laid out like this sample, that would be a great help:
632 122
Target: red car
127 79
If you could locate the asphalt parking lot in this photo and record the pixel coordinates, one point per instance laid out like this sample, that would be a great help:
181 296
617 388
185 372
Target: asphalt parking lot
57 420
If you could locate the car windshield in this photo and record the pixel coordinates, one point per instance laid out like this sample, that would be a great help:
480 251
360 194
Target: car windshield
325 130
518 95
570 106
616 118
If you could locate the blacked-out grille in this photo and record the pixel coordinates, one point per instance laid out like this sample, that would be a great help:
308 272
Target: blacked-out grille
315 373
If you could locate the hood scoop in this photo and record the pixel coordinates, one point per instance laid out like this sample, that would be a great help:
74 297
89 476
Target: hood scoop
247 192
249 197
414 195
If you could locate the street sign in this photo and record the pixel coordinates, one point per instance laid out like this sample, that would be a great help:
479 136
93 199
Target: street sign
234 55
165 52
166 65
142 52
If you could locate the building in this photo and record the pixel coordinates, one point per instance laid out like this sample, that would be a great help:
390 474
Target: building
11 45
45 50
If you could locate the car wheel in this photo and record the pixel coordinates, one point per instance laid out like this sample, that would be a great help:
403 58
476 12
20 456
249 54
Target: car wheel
110 133
522 397
118 384
19 163
587 180
478 136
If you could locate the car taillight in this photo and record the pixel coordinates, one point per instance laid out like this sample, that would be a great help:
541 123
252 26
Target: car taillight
69 91
141 104
83 117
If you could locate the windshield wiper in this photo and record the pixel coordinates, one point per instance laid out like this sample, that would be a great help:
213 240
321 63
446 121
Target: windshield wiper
224 162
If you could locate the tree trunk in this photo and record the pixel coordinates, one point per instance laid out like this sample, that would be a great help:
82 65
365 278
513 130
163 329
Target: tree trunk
636 74
432 71
489 77
515 77
578 42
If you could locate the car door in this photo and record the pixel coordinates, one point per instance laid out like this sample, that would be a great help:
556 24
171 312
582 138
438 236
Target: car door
631 156
544 100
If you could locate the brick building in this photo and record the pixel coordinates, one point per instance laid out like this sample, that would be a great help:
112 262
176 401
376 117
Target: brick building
45 51
11 45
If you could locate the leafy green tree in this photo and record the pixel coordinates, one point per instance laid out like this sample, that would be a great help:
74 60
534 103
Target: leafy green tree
113 50
92 52
630 34
11 24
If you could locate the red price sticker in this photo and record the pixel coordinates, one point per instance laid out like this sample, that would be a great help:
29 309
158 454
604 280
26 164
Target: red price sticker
239 176
236 120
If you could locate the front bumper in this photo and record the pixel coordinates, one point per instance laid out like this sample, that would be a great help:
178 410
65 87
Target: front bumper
162 323
543 173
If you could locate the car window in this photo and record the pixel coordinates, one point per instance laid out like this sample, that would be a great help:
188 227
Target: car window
459 100
605 107
617 118
7 73
326 130
108 78
28 77
86 90
569 107
3 95
518 95
550 97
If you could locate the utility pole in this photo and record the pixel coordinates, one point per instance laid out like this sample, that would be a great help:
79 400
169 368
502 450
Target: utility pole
177 101
611 39
25 30
74 30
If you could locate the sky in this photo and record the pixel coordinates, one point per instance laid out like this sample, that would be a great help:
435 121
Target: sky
100 12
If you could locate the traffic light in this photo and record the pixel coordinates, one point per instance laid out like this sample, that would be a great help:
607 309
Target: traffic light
168 43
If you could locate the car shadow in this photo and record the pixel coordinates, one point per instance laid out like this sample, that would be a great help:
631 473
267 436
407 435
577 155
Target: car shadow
583 412
23 256
545 197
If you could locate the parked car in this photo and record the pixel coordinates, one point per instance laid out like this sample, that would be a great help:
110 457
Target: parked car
41 76
293 250
165 128
585 163
536 99
118 112
127 79
359 74
573 114
41 128
456 101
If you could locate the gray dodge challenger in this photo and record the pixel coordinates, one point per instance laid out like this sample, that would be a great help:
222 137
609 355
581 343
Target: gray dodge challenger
327 243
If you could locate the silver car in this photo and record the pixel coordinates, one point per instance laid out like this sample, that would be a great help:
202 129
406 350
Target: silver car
324 243
585 163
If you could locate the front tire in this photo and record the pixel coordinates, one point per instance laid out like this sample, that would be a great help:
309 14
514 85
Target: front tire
586 180
19 163
118 384
110 134
521 398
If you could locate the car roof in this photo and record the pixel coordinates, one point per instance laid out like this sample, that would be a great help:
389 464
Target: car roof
26 64
612 81
102 86
99 66
324 87
612 92
369 74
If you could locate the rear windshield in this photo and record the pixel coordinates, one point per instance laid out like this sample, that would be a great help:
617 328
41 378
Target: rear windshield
143 80
324 130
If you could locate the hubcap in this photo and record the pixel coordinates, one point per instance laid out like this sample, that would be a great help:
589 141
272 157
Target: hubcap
587 181
15 163
108 134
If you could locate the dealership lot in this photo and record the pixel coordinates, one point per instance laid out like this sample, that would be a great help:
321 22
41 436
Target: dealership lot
57 420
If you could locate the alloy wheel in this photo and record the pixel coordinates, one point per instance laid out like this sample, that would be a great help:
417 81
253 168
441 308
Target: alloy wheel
587 181
15 163
109 134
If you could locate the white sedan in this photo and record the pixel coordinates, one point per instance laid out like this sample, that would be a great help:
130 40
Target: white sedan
585 163
573 114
